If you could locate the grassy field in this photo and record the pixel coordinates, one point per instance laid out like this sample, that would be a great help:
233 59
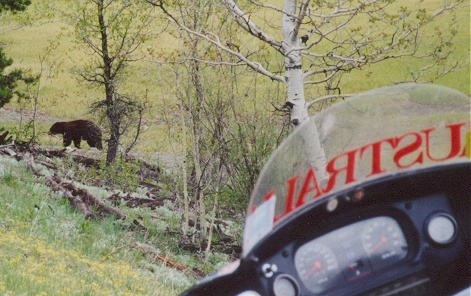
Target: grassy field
64 89
49 249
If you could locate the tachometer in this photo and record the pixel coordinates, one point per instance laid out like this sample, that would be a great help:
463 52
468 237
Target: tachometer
317 266
384 241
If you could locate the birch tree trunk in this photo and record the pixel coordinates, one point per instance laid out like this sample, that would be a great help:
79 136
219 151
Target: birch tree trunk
293 64
295 86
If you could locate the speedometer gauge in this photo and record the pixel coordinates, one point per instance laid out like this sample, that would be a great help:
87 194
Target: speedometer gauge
383 241
317 266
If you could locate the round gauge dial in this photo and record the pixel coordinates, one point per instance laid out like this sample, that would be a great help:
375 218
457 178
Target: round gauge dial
383 241
285 285
441 228
317 267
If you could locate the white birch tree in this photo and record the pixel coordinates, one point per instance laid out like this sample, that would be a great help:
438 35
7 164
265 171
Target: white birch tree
321 40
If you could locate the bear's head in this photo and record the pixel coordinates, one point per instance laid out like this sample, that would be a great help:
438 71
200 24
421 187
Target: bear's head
56 128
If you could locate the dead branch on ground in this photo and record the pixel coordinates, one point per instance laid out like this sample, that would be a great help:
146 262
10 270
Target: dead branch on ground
157 256
79 198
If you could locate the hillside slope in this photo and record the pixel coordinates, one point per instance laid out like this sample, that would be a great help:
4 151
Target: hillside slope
48 246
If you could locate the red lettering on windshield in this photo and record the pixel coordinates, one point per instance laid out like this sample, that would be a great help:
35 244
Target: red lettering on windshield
349 169
408 150
376 155
289 197
455 141
309 185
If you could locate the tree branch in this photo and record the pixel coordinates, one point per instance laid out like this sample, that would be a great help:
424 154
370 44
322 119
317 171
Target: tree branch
216 41
310 103
245 23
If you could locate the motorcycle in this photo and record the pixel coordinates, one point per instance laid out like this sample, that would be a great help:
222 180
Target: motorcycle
368 197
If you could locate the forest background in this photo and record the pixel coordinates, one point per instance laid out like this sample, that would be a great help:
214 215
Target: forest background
241 116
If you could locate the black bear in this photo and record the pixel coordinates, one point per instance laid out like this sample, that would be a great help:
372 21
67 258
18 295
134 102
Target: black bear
77 131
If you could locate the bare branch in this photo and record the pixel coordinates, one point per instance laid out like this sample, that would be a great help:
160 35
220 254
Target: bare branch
244 22
214 39
310 103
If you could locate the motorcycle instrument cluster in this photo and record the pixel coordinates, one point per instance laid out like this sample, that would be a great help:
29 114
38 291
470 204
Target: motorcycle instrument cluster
350 253
358 253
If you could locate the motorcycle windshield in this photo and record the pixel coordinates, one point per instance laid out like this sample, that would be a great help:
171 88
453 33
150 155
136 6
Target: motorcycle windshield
375 134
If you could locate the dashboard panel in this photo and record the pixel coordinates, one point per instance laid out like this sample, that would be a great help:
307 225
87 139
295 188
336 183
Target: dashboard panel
399 241
401 237
350 253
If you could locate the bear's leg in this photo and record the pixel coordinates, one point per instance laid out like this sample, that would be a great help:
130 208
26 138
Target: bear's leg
66 141
91 143
77 143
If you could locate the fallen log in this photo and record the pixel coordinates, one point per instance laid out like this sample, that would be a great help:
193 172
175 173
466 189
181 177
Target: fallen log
147 249
80 199
133 202
91 200
55 184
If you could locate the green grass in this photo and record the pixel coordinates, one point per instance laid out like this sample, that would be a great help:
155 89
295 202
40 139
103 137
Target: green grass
49 248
